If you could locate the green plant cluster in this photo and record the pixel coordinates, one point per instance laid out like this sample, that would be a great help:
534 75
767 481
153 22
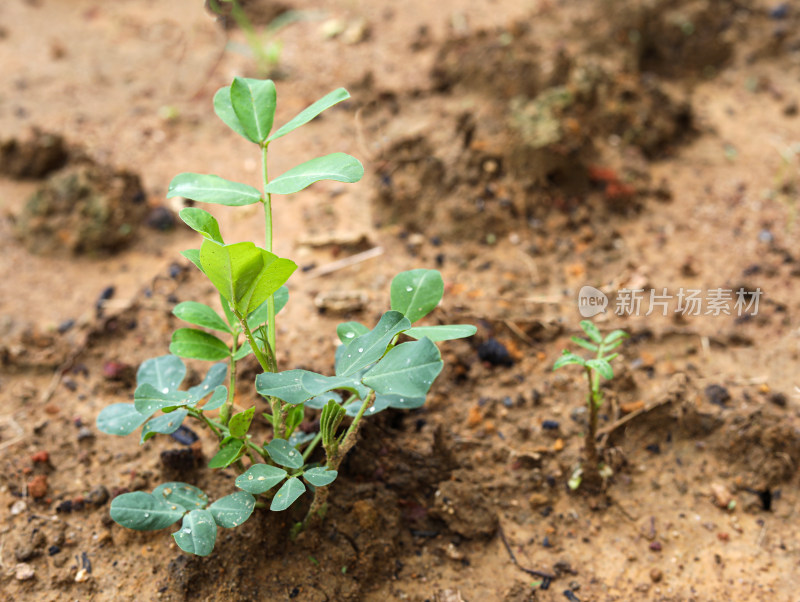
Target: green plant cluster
374 369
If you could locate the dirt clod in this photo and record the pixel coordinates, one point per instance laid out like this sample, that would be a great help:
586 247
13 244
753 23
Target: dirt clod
37 486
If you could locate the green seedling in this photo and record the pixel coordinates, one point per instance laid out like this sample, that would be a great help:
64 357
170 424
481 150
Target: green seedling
373 370
591 473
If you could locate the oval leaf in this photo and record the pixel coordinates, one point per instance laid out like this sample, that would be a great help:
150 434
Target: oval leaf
320 476
339 167
232 510
284 454
224 110
198 533
447 332
227 455
296 386
148 400
415 293
310 112
408 369
253 101
217 400
201 221
198 345
260 478
568 358
207 188
120 419
370 347
182 494
347 331
200 314
164 372
591 331
193 255
240 423
143 511
292 489
214 378
164 425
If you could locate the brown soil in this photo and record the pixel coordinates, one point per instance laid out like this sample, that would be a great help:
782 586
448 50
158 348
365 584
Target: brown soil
523 148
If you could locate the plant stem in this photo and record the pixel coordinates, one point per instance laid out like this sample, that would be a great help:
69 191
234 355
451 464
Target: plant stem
591 473
317 509
226 410
311 446
268 245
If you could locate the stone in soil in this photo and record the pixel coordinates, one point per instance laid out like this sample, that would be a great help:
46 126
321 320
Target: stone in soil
23 572
37 486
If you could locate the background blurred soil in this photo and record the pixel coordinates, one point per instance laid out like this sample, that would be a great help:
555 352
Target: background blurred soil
525 149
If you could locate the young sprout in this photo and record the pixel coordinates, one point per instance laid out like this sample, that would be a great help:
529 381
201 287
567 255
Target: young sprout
591 473
373 370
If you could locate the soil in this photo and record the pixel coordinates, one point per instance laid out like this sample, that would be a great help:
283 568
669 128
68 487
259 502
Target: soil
525 149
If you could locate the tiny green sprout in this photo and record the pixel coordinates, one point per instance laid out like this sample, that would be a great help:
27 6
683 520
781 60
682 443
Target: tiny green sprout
590 473
374 369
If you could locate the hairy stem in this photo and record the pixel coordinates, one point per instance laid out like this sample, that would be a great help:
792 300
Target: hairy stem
226 410
591 473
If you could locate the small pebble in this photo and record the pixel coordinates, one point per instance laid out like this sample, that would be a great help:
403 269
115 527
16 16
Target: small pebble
495 353
82 575
40 457
65 326
53 550
656 575
160 218
85 433
185 435
23 572
98 496
37 486
550 425
718 395
655 546
18 507
765 236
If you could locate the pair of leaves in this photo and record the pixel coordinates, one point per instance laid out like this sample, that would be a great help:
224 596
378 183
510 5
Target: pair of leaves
170 501
158 380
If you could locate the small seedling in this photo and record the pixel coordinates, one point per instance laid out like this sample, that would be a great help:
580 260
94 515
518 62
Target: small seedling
590 473
374 370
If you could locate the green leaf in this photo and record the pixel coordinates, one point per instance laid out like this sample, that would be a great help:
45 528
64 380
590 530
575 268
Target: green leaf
182 494
143 511
227 454
399 402
408 369
591 331
602 367
260 478
296 386
259 315
224 110
416 293
446 332
284 454
253 102
232 510
615 335
200 314
214 378
120 419
193 255
226 309
198 345
147 399
164 425
294 417
243 273
243 351
240 423
370 347
319 401
198 533
310 112
338 167
292 489
217 400
347 331
203 222
320 477
164 372
584 343
207 188
329 421
568 358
